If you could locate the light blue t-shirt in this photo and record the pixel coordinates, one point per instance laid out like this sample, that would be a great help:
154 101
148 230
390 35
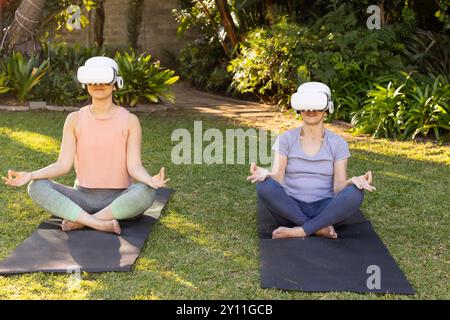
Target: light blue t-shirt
310 178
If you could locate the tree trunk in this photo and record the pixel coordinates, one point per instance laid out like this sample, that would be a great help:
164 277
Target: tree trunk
99 23
227 22
214 25
134 22
270 12
1 19
24 25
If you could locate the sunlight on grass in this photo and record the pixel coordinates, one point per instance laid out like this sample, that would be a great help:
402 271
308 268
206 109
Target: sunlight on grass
193 231
203 237
32 140
35 286
152 265
409 150
173 276
400 176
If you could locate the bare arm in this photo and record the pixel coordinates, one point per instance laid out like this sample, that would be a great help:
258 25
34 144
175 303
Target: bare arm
363 182
279 167
61 167
259 174
66 155
134 158
340 176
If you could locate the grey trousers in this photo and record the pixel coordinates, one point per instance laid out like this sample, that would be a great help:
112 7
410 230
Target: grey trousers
67 203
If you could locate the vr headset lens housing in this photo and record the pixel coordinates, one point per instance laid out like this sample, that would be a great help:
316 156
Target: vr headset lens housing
96 75
99 70
309 101
312 96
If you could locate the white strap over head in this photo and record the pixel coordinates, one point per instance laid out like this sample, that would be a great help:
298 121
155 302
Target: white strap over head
312 96
100 70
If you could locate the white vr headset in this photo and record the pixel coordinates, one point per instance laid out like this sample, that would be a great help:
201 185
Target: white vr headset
99 70
312 96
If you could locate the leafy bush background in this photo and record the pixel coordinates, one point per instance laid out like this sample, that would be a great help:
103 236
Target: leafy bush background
51 76
391 82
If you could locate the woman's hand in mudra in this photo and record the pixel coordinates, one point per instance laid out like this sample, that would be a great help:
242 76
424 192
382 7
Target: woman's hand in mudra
158 181
17 179
258 174
364 182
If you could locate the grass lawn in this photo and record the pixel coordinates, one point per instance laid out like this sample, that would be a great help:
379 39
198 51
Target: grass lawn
205 245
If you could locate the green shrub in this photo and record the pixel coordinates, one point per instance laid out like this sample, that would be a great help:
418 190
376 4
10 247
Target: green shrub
382 112
348 57
428 108
429 51
144 81
406 108
60 85
60 89
204 64
4 85
367 70
265 66
23 73
67 58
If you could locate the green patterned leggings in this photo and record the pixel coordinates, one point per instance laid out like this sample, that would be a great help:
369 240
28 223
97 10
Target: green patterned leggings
67 203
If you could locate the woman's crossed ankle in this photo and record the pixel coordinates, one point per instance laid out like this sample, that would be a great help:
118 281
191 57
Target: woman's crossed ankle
103 225
298 232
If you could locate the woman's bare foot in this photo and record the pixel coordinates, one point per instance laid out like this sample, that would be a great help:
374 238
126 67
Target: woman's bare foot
103 225
110 226
284 232
67 225
327 232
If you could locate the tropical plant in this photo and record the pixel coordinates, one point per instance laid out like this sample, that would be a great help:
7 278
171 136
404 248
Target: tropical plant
60 89
428 108
382 112
408 107
23 73
66 59
4 86
348 98
144 80
60 85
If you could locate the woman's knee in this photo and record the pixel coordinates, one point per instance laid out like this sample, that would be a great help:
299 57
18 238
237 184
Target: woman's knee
144 190
139 198
266 189
145 194
354 195
36 186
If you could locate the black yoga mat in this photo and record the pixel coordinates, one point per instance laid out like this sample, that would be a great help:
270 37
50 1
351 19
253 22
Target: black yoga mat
357 261
49 249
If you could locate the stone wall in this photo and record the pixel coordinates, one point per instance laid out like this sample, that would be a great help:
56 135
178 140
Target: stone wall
157 34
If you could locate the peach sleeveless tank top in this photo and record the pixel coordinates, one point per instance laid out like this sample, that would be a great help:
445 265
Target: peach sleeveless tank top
100 160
